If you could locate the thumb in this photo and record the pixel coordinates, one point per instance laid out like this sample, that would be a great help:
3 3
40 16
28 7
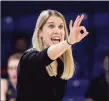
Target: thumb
84 35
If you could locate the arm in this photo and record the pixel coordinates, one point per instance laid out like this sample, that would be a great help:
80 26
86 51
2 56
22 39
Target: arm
3 89
47 56
57 50
75 36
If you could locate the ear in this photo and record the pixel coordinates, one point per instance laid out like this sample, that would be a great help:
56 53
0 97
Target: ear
40 34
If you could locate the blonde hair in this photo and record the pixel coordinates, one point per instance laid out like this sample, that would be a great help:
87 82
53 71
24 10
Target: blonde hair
66 57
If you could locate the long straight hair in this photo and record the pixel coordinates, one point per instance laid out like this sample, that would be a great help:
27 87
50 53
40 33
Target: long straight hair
66 57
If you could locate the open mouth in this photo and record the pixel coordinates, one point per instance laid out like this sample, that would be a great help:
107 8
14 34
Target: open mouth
55 40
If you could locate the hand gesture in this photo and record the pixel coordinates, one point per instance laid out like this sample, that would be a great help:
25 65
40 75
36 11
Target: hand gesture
75 30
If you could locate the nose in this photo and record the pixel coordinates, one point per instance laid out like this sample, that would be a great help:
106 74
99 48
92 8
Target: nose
57 30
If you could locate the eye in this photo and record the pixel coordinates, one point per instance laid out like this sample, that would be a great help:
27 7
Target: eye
61 27
51 26
10 68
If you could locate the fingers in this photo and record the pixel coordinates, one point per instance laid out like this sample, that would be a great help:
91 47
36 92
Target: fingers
70 25
76 21
80 20
84 35
82 28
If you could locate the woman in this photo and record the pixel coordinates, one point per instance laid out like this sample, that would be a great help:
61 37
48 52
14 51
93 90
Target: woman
8 87
44 69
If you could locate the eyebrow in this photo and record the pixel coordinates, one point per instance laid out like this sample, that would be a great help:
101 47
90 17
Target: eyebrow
53 22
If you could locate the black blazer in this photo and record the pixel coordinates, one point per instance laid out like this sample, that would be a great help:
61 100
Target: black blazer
33 81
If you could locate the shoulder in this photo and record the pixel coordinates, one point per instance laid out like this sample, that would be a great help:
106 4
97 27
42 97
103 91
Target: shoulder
25 60
27 54
34 57
30 52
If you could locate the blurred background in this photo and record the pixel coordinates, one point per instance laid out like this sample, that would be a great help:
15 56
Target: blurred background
18 19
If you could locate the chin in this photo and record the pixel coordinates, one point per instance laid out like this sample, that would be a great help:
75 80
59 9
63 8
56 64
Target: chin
55 43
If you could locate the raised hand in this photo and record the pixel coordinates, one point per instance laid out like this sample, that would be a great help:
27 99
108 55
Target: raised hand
75 34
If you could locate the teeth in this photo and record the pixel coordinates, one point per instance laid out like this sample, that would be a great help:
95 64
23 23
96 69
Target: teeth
56 38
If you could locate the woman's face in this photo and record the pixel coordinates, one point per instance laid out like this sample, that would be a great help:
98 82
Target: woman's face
53 31
12 70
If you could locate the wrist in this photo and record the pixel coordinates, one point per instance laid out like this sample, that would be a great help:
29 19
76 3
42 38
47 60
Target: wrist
68 41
